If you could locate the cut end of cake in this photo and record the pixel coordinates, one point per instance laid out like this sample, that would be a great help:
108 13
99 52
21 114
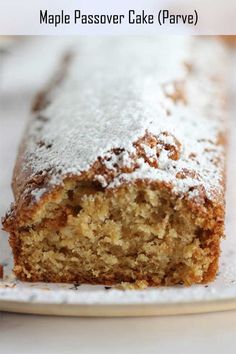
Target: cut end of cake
137 232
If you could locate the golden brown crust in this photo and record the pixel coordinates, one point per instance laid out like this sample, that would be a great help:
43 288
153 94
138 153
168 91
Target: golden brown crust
1 271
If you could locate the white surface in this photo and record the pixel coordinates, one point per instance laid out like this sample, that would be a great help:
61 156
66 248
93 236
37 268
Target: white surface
197 334
209 333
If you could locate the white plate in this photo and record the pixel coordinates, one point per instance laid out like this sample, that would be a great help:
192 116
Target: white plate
23 73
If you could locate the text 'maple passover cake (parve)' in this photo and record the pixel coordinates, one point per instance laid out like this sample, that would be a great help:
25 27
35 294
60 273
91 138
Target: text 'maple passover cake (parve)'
120 175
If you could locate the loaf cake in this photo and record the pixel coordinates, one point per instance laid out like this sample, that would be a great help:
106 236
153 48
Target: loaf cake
120 174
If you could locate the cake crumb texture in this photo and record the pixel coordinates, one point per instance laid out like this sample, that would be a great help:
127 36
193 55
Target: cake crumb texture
137 233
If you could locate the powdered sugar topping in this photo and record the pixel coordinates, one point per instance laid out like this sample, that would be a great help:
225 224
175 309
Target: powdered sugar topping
117 90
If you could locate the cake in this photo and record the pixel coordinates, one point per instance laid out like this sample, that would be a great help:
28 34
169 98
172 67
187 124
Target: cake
120 176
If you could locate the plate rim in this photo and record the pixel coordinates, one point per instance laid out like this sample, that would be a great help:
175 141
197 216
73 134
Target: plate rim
118 310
